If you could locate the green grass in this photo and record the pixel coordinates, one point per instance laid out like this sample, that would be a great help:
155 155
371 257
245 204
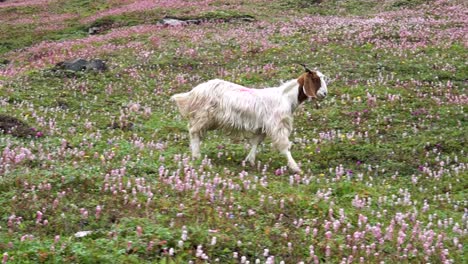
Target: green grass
406 147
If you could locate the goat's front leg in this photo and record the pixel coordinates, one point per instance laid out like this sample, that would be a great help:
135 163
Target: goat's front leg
283 145
195 143
254 141
291 162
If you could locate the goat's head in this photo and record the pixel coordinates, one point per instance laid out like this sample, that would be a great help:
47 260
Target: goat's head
313 84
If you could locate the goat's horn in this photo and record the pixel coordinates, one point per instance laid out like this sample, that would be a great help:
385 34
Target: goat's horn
305 67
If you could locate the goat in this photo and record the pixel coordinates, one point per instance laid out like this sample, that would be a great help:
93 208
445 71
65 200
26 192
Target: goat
219 104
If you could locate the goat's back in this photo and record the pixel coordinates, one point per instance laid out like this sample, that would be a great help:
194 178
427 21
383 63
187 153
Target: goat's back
223 104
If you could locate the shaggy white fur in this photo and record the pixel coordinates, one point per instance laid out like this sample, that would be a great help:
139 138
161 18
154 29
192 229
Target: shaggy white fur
219 104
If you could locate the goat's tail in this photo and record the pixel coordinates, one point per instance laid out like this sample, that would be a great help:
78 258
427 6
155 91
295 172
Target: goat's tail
182 101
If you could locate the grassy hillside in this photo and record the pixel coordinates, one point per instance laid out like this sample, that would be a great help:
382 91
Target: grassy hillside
384 157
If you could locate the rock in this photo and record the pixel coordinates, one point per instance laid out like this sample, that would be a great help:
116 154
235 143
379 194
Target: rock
172 22
82 233
193 21
82 65
96 65
74 65
93 30
175 21
247 19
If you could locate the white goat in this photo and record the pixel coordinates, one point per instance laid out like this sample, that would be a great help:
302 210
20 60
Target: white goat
235 108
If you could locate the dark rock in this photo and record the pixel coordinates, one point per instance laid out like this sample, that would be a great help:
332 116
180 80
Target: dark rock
233 19
74 65
82 65
194 21
96 65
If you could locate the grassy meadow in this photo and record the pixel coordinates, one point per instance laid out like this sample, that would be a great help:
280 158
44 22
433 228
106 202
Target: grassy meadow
104 173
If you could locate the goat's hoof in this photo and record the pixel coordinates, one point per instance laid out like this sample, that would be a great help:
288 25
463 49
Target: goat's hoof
299 172
250 160
296 170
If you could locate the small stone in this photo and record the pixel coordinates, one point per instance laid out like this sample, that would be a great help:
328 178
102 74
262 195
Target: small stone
82 233
172 22
93 30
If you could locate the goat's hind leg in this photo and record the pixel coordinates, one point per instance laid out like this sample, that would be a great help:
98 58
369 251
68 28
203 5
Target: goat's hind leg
254 141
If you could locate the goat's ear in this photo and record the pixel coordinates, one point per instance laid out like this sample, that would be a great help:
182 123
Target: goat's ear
310 82
301 81
305 68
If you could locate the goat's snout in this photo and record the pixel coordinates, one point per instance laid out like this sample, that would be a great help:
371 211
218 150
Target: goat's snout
321 94
323 91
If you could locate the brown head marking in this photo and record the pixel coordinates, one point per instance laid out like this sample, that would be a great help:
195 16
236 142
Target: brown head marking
309 84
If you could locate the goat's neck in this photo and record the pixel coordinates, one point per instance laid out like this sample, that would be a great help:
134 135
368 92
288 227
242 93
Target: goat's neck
294 94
